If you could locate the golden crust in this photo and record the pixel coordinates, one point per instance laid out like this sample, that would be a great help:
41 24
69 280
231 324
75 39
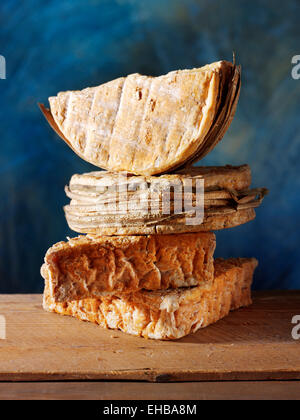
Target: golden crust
87 267
159 123
169 314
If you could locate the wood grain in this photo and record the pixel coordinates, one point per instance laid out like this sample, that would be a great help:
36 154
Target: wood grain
134 391
253 343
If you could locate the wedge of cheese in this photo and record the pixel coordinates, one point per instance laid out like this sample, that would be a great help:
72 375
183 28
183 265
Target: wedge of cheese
169 314
148 125
87 267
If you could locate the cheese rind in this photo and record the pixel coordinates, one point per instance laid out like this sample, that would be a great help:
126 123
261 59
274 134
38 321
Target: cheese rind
148 125
194 200
86 266
169 314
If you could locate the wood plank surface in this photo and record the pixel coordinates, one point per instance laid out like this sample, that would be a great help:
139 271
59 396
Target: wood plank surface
253 343
134 391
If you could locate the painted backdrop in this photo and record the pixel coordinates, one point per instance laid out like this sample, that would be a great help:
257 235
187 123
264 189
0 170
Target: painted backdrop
59 45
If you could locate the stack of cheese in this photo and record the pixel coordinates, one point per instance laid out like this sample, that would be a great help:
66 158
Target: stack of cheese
146 263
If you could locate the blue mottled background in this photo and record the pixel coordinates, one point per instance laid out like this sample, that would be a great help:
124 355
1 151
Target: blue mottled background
58 45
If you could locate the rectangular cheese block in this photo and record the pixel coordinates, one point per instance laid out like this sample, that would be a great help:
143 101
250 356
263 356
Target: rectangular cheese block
90 267
169 314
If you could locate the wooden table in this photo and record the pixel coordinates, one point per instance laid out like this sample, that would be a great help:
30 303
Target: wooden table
249 354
